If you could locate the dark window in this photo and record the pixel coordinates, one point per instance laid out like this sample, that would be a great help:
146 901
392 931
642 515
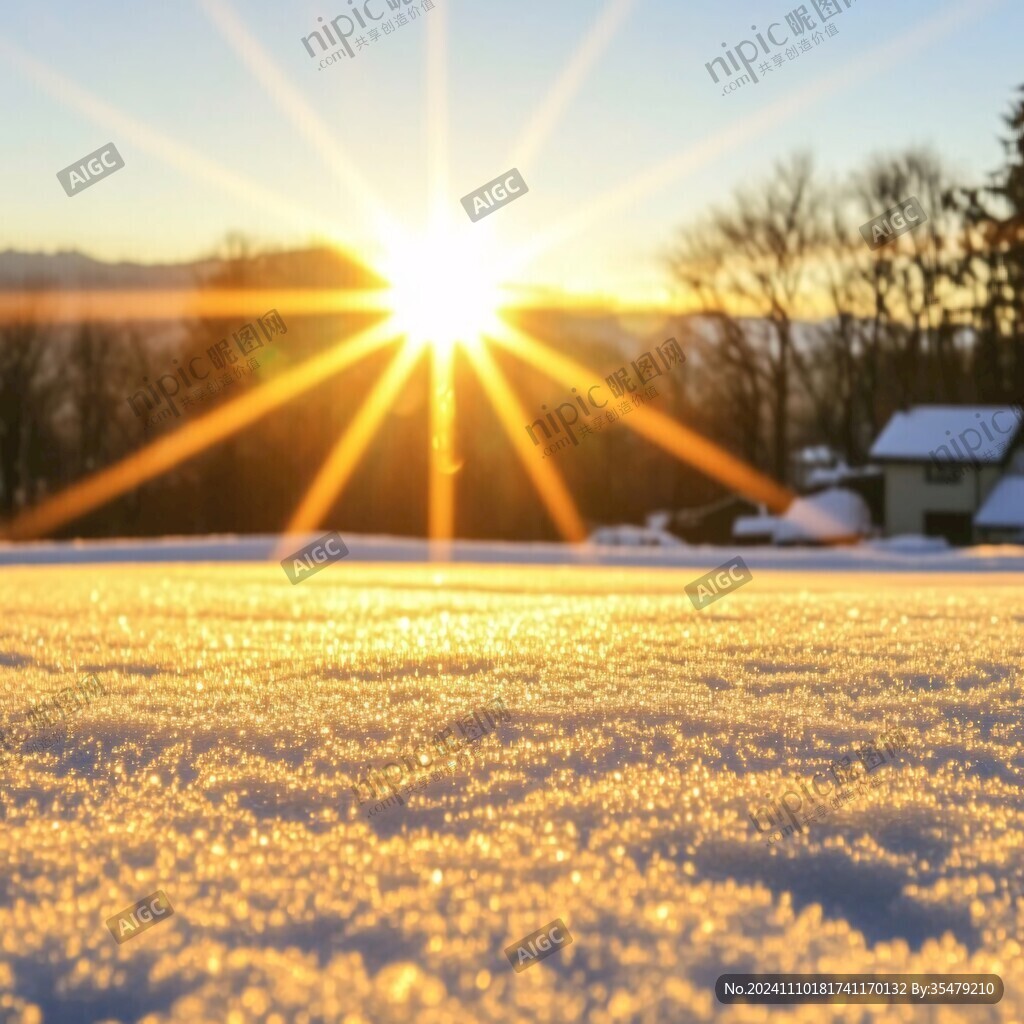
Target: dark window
943 474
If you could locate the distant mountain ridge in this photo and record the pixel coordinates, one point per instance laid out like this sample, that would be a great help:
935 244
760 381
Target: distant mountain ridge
322 267
303 268
72 269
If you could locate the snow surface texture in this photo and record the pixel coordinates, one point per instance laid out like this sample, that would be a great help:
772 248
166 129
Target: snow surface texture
910 553
241 708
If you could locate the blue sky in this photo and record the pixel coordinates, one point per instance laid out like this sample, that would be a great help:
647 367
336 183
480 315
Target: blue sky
889 78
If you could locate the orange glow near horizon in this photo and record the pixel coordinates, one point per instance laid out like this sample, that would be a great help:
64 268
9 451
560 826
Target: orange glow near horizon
85 305
685 444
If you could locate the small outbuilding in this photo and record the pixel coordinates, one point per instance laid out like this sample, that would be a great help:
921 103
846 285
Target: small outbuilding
1001 518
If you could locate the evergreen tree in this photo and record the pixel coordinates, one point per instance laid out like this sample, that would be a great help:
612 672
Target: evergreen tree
996 258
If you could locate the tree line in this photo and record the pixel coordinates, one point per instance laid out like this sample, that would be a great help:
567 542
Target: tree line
935 316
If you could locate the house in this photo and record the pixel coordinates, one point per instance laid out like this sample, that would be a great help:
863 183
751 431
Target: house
1001 518
941 464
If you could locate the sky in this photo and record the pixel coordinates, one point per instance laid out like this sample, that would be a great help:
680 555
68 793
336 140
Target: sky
226 124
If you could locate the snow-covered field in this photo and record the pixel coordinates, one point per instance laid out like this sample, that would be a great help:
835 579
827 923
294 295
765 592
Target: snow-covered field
241 708
897 554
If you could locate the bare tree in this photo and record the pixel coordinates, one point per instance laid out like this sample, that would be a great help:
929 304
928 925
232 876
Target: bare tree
758 253
914 277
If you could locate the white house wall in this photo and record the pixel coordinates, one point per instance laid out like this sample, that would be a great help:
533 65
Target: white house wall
908 496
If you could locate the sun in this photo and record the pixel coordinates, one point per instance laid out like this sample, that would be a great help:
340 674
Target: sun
444 288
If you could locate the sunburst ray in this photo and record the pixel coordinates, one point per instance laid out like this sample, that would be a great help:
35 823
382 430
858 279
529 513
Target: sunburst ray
436 100
72 94
547 481
685 444
339 465
441 457
560 95
103 486
316 131
752 126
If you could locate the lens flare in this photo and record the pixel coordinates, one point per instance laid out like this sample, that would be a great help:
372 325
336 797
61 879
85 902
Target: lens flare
444 288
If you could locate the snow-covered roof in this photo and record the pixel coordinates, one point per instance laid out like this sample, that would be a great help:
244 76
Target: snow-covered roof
1004 506
822 477
835 514
927 430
